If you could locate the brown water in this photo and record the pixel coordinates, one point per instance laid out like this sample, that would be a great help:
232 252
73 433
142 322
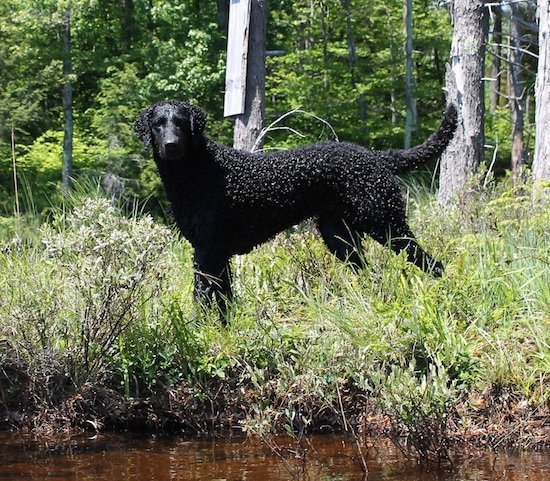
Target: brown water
122 458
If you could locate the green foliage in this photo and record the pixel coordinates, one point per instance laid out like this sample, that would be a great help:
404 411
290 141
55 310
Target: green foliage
126 55
304 329
30 67
93 275
419 403
201 355
38 170
316 73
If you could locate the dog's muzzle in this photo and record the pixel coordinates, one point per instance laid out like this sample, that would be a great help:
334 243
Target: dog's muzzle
172 150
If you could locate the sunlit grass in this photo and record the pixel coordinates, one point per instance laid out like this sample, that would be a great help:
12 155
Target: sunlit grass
303 325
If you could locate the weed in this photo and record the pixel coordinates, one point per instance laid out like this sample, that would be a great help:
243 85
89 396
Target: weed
418 403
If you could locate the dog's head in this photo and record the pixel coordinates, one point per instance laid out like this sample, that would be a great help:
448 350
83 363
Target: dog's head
172 127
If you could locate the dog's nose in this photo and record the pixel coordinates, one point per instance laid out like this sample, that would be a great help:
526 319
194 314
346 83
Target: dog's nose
171 148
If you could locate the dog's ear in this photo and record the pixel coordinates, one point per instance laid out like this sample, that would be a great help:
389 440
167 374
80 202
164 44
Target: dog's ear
142 127
198 121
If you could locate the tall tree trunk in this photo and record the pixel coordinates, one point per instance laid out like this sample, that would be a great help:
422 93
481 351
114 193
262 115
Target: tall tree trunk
410 123
127 25
494 93
67 163
249 125
516 91
541 161
466 91
324 34
353 62
393 63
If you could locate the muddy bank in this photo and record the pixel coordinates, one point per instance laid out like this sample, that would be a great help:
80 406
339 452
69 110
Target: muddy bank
494 419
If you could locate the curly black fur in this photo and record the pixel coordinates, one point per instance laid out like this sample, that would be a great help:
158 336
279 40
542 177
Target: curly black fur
226 201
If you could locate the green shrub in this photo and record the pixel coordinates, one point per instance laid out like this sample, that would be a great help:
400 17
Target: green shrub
95 274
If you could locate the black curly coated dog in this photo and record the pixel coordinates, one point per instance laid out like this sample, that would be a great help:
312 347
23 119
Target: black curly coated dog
227 201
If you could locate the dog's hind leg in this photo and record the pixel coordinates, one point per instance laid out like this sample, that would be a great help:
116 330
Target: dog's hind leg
400 238
344 243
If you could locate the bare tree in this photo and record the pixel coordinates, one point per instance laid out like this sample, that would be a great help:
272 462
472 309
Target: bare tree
249 125
67 163
496 75
410 124
516 90
541 161
465 87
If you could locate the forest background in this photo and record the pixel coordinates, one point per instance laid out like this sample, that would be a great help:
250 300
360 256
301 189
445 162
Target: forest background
343 61
97 324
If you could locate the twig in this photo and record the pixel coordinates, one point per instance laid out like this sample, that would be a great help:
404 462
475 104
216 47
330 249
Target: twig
349 429
491 165
271 126
17 211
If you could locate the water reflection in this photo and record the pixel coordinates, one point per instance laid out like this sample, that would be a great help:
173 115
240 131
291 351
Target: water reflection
329 458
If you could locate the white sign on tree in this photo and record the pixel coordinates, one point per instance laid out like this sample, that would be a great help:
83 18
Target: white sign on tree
237 57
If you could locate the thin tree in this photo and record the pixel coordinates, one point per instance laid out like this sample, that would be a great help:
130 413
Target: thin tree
127 26
496 77
354 67
464 82
392 68
410 123
249 125
541 161
67 163
516 90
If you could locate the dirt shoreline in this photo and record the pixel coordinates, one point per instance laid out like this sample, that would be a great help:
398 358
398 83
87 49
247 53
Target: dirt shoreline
493 420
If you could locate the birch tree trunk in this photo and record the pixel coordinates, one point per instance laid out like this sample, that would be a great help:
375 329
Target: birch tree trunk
249 125
516 91
465 87
67 162
541 161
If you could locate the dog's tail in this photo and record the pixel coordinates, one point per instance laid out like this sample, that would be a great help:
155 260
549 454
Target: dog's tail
404 160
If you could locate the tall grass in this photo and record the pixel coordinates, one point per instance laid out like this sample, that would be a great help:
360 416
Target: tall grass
103 297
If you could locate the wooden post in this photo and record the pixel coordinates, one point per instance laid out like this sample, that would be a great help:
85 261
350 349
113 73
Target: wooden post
237 57
249 121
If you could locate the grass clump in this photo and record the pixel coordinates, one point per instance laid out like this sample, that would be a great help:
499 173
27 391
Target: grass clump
97 320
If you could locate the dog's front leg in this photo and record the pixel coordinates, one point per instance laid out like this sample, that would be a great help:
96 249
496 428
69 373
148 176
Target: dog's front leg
213 282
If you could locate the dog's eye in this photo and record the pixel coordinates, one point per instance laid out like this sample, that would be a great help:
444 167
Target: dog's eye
178 123
157 124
